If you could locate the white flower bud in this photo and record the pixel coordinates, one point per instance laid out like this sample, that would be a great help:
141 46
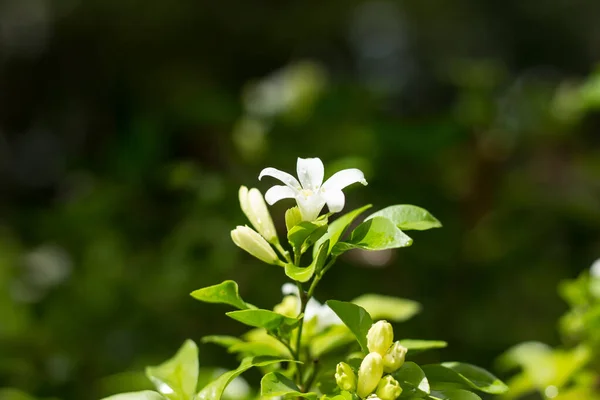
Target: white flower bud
394 358
388 388
247 239
369 374
345 377
255 208
380 337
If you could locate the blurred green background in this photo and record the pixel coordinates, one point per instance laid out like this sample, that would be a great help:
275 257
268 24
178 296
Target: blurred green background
127 127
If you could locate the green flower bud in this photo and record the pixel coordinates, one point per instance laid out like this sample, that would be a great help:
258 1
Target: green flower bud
345 377
254 206
380 337
247 239
369 374
394 358
388 388
289 307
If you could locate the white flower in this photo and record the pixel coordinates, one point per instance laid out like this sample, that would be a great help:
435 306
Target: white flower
311 193
595 269
324 315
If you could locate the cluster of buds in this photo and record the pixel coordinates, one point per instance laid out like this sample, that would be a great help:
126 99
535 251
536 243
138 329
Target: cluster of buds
384 356
248 239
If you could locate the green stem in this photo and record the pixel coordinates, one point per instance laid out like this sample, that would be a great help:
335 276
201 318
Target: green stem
283 252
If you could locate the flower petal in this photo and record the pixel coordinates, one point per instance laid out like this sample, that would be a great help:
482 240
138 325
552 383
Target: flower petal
344 178
335 199
279 192
284 177
310 172
289 288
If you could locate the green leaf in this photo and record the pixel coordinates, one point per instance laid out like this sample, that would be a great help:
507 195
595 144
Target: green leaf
292 217
387 307
305 234
177 377
408 217
143 395
412 379
356 318
267 319
251 349
215 389
417 346
221 340
467 374
226 293
378 233
332 339
337 228
275 384
453 394
304 274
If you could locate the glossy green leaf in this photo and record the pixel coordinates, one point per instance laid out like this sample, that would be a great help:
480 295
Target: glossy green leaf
221 340
215 389
378 233
304 274
332 339
143 395
408 217
417 346
267 319
337 228
275 384
470 375
453 394
387 307
292 217
356 318
177 377
412 379
252 349
226 293
305 234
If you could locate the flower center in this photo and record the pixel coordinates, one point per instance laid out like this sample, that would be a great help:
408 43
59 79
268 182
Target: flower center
306 192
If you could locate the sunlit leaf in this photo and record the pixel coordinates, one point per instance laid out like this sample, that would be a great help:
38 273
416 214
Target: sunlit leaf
275 384
177 377
378 233
417 346
408 217
304 274
305 234
337 228
267 319
143 395
387 307
226 293
471 375
453 394
412 379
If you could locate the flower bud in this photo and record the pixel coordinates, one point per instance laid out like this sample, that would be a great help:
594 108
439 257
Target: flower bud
345 377
373 397
369 374
380 337
394 358
388 388
247 239
289 306
254 206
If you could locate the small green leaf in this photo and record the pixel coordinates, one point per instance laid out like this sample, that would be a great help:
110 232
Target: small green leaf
226 293
356 318
292 217
417 346
408 217
275 384
332 339
337 228
387 307
177 377
453 394
143 395
378 233
215 389
267 319
252 349
305 234
304 274
221 340
466 374
412 379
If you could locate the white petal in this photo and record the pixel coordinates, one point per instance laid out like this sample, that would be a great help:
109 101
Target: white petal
313 309
289 288
328 318
279 192
595 269
284 177
310 205
344 178
335 199
310 172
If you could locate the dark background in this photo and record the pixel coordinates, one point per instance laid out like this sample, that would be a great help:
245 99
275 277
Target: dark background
126 128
